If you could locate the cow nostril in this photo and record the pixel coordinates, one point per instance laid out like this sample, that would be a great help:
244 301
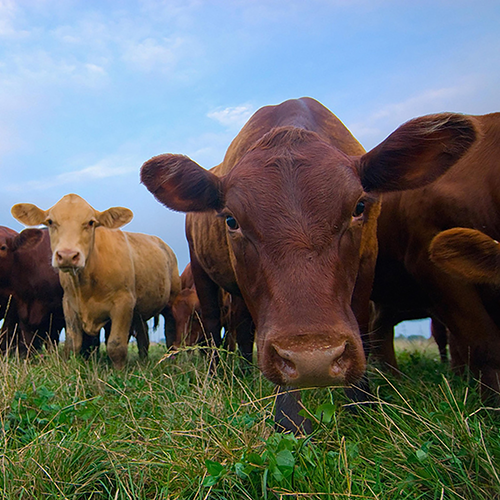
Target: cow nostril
283 362
311 365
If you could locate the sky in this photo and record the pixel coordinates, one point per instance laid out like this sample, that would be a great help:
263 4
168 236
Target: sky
91 89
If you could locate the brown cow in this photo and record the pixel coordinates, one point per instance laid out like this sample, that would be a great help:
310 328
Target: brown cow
288 222
187 312
107 274
407 279
29 281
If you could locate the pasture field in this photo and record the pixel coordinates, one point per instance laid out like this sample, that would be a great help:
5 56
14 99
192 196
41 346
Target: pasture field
168 429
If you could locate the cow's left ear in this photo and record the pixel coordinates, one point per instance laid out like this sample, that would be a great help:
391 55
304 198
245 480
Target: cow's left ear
417 153
115 217
28 214
468 254
29 238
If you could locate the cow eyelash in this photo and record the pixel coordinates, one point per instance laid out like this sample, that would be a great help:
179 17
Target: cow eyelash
231 222
359 209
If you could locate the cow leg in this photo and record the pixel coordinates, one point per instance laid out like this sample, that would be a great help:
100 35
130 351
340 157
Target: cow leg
208 295
286 416
142 336
121 322
170 326
244 327
382 340
440 334
90 345
74 332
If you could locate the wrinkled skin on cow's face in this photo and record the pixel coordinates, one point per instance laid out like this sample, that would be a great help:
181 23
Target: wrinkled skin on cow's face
290 261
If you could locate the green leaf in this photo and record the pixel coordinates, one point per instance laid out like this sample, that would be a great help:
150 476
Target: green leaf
325 412
210 481
285 458
421 455
214 468
254 458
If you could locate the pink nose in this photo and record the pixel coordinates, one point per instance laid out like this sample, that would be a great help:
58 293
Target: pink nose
67 258
320 366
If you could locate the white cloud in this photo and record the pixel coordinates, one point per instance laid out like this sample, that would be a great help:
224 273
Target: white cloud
152 54
8 12
378 125
232 117
108 167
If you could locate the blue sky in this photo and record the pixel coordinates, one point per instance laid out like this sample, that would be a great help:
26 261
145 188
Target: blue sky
89 90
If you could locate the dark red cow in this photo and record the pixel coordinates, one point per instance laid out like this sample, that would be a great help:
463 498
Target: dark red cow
288 222
407 279
187 312
27 277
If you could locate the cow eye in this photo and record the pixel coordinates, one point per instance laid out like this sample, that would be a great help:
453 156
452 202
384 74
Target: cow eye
91 223
360 208
3 248
49 222
231 222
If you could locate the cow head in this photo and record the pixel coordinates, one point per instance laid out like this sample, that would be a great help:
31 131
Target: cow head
11 242
294 210
72 223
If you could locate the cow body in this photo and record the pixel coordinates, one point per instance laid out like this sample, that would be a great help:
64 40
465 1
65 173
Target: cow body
407 280
288 222
31 289
108 275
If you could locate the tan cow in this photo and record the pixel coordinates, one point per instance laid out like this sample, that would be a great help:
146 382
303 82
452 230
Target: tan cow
107 274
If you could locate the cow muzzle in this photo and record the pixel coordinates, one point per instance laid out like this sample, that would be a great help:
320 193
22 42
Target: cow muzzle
312 364
68 260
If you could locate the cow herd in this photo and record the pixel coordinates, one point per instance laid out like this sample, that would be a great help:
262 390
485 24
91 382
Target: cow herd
300 243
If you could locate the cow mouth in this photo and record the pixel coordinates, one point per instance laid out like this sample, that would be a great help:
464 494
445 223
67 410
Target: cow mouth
68 269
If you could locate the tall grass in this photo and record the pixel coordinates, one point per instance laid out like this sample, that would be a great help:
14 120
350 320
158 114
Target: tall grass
167 428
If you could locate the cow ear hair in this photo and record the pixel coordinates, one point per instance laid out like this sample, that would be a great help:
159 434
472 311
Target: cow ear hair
27 239
114 217
28 214
467 253
417 153
181 184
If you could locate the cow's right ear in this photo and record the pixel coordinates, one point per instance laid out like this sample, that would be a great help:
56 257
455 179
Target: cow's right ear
29 238
29 214
181 184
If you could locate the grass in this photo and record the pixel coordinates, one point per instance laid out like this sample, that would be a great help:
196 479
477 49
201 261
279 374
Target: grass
167 428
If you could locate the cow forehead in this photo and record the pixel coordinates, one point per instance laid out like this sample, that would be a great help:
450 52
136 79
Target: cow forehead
312 177
71 208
